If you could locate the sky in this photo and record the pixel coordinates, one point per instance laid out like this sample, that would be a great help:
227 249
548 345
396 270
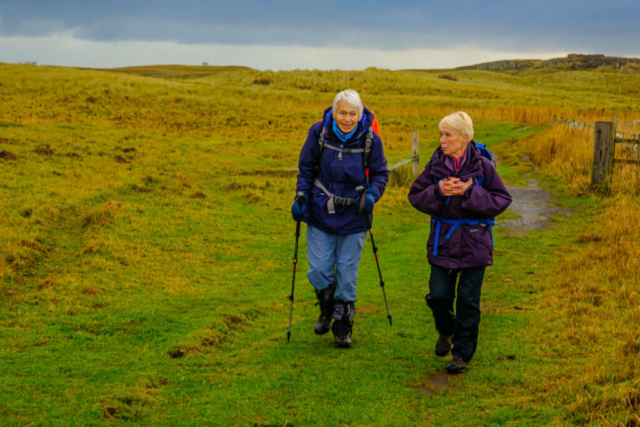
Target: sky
330 34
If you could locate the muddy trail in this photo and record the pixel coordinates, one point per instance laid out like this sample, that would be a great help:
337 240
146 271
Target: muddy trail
534 206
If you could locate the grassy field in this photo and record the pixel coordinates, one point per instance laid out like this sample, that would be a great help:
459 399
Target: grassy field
146 247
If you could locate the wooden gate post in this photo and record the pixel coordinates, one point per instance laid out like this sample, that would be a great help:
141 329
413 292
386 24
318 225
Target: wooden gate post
415 154
604 136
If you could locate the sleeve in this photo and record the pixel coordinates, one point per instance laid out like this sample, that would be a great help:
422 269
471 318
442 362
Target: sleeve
425 195
491 199
378 171
308 161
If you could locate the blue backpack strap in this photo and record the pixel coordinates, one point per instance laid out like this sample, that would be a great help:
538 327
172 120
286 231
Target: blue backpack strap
490 222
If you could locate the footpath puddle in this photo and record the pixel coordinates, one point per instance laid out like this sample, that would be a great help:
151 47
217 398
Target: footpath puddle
439 382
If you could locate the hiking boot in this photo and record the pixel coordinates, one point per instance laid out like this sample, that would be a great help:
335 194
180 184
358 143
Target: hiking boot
443 345
342 333
325 300
343 341
323 324
343 325
457 365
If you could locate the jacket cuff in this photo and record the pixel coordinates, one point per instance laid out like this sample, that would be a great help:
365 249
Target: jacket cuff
468 191
438 192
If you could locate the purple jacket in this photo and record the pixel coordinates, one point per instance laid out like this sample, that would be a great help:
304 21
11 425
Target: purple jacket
468 245
340 175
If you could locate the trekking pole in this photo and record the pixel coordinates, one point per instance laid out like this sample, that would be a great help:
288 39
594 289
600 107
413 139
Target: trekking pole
375 249
300 200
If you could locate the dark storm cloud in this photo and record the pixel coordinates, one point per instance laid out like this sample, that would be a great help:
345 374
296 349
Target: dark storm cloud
587 26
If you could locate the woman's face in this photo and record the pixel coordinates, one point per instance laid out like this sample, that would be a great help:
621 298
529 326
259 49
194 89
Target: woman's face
346 117
452 142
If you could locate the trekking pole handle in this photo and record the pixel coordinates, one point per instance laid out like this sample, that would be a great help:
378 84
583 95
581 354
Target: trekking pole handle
300 198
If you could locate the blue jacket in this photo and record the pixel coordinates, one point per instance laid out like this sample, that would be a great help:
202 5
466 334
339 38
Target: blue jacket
340 177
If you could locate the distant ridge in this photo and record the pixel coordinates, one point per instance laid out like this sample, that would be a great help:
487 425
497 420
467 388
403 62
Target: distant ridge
572 62
173 70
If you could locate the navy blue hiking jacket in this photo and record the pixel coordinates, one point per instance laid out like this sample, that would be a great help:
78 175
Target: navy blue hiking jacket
340 177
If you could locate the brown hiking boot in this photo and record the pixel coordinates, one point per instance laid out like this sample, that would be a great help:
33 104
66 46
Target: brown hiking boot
443 345
457 365
323 324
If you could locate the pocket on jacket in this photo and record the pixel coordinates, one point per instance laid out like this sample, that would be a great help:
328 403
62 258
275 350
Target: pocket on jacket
480 237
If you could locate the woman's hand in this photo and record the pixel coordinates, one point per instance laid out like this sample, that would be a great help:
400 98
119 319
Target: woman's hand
453 186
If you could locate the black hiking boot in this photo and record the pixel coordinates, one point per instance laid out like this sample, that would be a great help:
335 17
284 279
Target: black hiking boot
325 299
457 365
342 333
443 345
343 326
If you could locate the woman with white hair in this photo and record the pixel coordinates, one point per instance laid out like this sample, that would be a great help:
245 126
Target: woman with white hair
342 152
463 193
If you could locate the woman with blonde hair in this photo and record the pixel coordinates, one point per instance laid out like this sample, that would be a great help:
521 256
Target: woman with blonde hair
463 193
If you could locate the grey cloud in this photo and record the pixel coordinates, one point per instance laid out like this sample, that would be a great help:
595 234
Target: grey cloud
585 25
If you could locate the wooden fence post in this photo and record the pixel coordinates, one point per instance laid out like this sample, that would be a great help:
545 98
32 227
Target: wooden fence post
604 134
614 130
416 147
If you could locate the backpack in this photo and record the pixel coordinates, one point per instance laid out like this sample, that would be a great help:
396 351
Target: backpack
366 151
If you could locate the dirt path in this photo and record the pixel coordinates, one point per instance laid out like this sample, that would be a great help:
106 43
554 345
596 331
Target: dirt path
535 207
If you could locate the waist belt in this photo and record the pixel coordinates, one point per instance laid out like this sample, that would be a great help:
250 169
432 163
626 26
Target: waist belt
334 200
456 223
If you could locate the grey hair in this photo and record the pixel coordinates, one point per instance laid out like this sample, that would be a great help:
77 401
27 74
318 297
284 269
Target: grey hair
352 99
460 122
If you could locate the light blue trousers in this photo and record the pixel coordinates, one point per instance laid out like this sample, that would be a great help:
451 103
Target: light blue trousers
334 258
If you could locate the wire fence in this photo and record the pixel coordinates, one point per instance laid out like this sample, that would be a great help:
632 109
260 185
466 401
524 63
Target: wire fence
625 131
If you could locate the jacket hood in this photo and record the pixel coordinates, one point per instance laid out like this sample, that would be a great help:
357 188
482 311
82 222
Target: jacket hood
471 167
365 123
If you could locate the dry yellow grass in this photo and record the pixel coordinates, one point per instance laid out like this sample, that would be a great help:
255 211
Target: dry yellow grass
591 314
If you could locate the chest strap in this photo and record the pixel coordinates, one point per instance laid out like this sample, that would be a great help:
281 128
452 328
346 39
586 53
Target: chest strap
456 223
334 200
344 150
366 150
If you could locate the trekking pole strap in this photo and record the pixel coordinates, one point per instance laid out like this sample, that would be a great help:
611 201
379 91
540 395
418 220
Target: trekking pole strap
333 199
437 221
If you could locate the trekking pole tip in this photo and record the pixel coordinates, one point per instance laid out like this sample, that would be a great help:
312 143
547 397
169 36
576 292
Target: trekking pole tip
390 321
288 336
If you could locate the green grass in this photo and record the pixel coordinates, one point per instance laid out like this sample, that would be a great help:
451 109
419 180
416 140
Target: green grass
146 262
164 308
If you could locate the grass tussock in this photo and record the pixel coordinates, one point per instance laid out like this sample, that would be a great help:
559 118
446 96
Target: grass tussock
104 214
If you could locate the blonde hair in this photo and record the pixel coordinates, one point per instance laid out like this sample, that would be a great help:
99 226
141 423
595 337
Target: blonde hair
460 122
